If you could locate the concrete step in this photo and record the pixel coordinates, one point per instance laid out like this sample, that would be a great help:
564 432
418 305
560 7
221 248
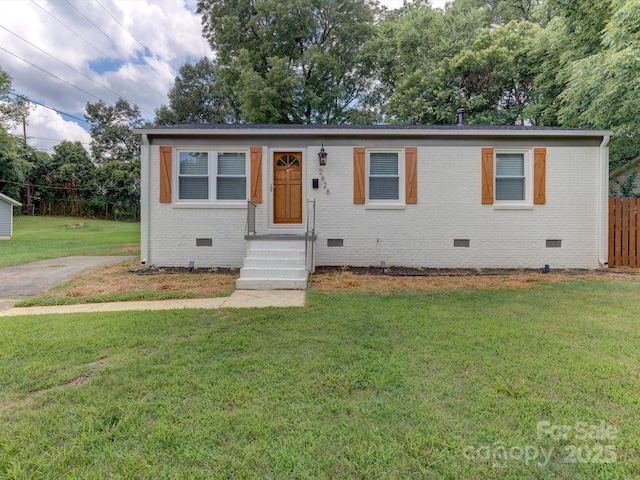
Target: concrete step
276 254
274 273
273 264
270 284
252 262
276 245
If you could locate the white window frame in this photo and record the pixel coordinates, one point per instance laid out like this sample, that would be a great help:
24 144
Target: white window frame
527 155
212 155
401 201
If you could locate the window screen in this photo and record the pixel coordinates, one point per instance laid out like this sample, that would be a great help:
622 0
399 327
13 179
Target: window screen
193 181
383 176
510 177
231 181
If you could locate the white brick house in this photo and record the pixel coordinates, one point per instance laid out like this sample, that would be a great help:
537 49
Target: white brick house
417 196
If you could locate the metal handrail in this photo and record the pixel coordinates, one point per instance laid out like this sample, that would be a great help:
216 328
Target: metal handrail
251 218
309 239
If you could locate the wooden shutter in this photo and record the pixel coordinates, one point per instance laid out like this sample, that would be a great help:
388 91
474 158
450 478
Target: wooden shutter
358 175
539 176
487 176
411 174
165 174
256 174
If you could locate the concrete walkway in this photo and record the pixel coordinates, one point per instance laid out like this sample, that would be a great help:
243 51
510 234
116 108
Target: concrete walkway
238 299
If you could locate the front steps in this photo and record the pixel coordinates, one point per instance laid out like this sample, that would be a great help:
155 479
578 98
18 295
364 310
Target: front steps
274 264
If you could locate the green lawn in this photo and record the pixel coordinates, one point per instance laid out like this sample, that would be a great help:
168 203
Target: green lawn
442 385
39 238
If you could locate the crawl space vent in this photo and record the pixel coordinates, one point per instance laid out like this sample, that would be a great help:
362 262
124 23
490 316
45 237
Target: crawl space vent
335 242
204 242
554 243
461 242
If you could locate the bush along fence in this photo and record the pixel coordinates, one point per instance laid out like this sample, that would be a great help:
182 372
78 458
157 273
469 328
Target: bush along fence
624 232
82 208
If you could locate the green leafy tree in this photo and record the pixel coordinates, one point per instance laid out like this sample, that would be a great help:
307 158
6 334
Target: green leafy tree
11 175
305 55
599 75
71 170
112 137
117 189
199 95
14 110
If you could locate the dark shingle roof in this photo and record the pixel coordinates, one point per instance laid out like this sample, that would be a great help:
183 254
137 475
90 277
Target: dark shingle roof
311 128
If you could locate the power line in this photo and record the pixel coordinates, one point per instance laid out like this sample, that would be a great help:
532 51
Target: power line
49 73
62 62
50 108
133 36
116 44
58 140
115 62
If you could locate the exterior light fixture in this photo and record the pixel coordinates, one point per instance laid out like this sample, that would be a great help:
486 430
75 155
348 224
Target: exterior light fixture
322 156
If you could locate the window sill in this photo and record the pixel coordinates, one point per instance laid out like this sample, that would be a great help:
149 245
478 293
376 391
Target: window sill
383 206
211 205
512 206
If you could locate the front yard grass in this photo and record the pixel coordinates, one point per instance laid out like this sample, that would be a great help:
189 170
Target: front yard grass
40 238
448 384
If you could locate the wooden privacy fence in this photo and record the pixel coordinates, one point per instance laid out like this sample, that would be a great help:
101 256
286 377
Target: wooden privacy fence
624 232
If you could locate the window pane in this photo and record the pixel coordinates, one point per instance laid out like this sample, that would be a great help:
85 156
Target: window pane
231 164
194 163
383 188
509 165
509 188
194 188
230 188
383 163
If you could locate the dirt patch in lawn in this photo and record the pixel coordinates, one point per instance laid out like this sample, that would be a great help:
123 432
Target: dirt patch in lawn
128 277
423 280
133 277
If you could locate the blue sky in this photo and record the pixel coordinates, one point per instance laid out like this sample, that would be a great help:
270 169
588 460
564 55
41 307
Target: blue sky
65 53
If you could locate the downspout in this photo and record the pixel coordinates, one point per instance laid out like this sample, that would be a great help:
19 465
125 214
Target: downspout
144 199
603 234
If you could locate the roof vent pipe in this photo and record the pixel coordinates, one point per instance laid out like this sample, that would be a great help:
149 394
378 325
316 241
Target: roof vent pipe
460 114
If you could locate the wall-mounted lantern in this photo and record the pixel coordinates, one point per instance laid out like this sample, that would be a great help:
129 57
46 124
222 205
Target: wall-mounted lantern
322 156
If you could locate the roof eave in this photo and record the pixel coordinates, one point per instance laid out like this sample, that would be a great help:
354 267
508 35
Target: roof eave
372 132
10 200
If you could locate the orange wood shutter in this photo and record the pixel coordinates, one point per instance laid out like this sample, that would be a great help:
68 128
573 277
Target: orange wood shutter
165 174
358 175
256 174
411 174
539 176
487 176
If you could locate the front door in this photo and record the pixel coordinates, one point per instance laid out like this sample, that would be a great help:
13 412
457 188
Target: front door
287 187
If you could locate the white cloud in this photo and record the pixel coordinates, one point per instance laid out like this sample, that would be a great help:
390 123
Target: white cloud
168 33
99 65
46 129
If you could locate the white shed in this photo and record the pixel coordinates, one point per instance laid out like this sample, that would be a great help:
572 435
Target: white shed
6 216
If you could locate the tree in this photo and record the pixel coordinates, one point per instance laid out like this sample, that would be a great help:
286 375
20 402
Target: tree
12 110
118 185
432 63
112 137
596 80
305 54
11 175
198 95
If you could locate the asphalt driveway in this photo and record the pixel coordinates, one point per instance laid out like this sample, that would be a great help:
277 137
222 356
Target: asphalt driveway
36 277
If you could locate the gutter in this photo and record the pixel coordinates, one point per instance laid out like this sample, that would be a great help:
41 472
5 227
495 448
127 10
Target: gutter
144 199
368 132
603 202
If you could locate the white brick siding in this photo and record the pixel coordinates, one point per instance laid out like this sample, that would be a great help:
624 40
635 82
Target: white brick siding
449 207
